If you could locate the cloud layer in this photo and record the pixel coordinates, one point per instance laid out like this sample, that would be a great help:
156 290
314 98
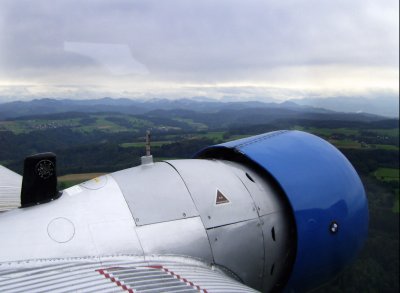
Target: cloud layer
149 46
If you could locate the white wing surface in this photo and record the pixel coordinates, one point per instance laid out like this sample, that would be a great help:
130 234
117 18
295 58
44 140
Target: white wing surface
117 274
10 189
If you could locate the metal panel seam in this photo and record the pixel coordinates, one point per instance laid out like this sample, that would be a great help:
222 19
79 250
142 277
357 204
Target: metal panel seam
194 203
248 191
233 223
261 222
133 219
261 139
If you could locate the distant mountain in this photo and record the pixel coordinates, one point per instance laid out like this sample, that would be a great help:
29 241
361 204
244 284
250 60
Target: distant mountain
127 106
53 106
257 116
384 105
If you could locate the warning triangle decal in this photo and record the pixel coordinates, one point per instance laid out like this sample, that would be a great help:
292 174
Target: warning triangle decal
221 199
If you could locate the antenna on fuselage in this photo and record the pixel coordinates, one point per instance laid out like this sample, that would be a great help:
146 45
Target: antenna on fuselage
148 158
148 143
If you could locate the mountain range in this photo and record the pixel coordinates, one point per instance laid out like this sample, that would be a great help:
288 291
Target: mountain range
332 106
387 106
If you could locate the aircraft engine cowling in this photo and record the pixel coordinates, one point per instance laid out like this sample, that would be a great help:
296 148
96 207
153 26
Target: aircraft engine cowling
328 205
281 211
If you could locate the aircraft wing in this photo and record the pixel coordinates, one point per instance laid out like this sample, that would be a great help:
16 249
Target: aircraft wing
10 189
125 273
258 208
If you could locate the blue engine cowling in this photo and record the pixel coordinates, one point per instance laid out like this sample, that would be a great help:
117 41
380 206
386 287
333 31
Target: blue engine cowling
324 191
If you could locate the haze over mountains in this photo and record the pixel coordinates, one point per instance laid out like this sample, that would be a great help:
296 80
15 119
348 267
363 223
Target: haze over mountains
384 105
387 107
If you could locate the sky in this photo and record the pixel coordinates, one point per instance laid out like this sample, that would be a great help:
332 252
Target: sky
268 49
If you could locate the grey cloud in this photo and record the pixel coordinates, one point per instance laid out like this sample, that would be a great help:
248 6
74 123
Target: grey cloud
200 41
115 57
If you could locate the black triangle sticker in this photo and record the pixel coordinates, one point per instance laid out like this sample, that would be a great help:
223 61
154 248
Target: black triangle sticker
221 199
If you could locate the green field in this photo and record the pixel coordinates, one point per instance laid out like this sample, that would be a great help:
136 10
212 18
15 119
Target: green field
396 206
394 132
350 144
235 137
349 132
330 132
386 132
69 180
197 125
142 144
25 126
99 122
385 147
387 174
327 131
214 135
346 144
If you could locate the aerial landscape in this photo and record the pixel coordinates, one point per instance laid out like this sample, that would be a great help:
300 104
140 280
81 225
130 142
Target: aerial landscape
88 144
94 81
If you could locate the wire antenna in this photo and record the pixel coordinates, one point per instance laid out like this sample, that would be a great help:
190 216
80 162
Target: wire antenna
148 158
148 137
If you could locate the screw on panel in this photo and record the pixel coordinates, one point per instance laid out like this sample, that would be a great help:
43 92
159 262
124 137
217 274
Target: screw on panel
137 219
209 217
216 239
184 215
334 227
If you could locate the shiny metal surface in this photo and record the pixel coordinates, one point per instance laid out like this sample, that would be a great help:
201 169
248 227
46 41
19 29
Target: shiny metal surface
240 248
10 189
203 179
278 243
244 219
180 237
95 183
266 198
117 274
82 222
322 187
155 193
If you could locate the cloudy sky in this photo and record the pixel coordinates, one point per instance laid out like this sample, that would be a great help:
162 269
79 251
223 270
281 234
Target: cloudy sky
180 48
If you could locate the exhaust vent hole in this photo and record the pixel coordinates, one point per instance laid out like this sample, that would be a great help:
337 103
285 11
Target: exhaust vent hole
272 269
250 178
